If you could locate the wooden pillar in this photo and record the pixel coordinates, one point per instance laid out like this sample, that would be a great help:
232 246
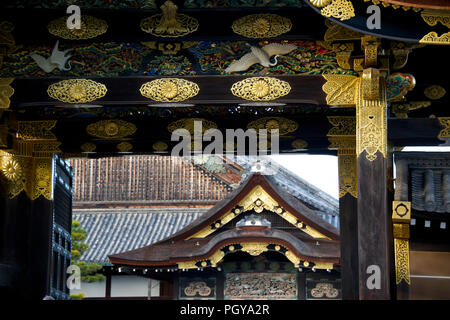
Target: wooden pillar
374 222
108 284
348 218
342 138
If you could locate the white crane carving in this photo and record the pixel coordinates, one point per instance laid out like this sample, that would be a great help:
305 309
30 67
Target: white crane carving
58 59
261 56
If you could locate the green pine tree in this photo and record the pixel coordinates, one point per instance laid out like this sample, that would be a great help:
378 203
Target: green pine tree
89 271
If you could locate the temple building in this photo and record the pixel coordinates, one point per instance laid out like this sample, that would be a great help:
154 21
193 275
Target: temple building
98 87
125 219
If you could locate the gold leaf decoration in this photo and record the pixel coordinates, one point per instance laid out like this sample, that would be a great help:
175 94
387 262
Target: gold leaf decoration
402 272
339 9
254 248
371 122
434 92
262 26
434 38
299 144
340 89
77 90
160 146
169 90
6 91
320 3
124 146
88 147
169 24
284 125
432 17
260 89
188 124
445 122
36 130
91 27
111 129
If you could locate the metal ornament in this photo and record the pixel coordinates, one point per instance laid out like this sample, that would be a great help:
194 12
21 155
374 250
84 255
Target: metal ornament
169 90
91 27
257 26
77 90
260 89
339 9
283 125
371 116
169 24
340 89
6 91
111 129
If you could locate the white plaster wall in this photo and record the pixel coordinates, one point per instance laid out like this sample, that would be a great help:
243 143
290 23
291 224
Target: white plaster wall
121 286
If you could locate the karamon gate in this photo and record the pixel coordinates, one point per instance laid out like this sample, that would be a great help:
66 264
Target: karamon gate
320 72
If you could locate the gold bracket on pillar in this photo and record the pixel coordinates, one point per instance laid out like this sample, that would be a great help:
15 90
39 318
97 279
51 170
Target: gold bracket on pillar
342 137
343 54
370 46
401 216
371 127
28 166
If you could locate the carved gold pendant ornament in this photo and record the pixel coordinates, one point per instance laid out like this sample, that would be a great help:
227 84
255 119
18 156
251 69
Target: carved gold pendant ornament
260 89
77 91
258 26
339 9
91 27
169 24
169 90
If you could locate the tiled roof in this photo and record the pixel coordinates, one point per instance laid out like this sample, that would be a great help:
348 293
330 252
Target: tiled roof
430 190
144 178
112 231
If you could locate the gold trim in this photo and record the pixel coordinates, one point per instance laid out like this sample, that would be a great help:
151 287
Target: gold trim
258 200
169 90
340 89
255 249
320 3
434 38
371 115
402 272
29 166
91 27
261 26
77 90
169 24
444 133
339 9
111 129
260 88
348 177
6 92
36 130
433 17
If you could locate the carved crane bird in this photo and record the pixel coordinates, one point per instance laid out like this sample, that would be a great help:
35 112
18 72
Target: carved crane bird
261 56
58 59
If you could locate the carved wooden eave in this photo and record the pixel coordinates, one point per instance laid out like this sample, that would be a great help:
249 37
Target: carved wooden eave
201 242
